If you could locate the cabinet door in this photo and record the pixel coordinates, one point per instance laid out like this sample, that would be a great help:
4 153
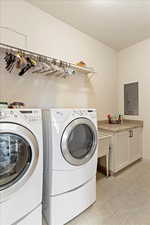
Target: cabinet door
135 140
122 150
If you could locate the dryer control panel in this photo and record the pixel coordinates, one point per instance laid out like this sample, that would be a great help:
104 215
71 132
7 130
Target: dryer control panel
85 112
61 115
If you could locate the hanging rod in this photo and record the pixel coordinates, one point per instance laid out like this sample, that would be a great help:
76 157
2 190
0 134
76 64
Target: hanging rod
28 52
78 68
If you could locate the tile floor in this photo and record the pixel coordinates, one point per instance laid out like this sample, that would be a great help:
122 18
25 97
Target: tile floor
121 200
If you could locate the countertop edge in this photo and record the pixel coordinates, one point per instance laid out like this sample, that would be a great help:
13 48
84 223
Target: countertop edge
128 124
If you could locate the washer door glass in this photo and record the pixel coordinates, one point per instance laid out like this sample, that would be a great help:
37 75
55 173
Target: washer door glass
79 141
15 158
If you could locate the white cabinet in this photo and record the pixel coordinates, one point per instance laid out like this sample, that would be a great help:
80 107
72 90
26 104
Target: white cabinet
135 142
126 148
121 150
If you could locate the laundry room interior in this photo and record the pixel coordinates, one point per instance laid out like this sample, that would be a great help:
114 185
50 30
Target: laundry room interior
74 112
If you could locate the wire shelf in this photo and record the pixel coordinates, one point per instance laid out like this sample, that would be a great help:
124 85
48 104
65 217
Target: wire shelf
85 70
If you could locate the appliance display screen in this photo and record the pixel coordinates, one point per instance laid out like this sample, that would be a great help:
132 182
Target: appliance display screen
26 112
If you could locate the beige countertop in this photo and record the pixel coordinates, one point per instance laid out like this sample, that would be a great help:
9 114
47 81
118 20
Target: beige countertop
126 125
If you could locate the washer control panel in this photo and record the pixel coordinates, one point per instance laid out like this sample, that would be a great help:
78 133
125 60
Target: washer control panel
31 115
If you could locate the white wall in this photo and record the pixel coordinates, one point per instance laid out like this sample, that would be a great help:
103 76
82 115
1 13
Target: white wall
134 65
52 37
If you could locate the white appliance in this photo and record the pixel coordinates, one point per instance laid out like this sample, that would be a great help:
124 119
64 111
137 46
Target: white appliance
21 167
70 156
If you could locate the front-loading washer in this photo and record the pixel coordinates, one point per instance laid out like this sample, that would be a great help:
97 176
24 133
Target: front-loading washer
21 166
70 156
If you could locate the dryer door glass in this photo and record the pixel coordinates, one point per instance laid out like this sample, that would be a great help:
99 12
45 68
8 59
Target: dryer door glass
15 158
79 141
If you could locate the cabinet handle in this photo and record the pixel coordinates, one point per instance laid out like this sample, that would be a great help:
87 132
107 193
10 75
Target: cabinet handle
130 133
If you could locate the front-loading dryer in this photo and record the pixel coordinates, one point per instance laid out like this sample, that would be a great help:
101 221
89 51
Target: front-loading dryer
70 156
21 166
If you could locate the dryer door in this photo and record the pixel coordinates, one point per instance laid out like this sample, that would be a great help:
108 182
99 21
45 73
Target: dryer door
79 141
18 156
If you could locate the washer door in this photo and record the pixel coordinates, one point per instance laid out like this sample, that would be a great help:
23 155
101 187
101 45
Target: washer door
18 156
79 141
